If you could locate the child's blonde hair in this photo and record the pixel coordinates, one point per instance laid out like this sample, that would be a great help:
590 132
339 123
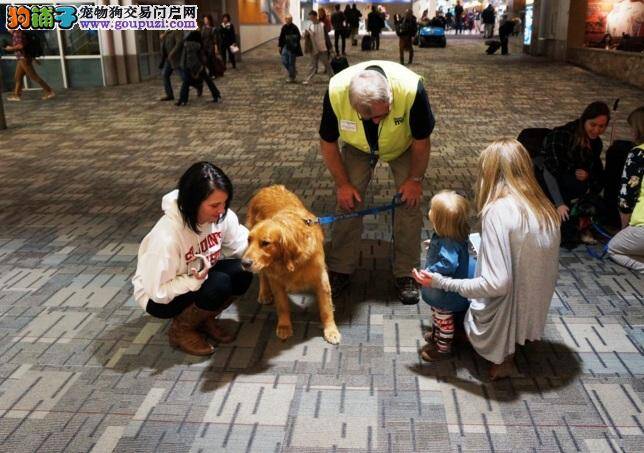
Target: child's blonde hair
448 213
505 168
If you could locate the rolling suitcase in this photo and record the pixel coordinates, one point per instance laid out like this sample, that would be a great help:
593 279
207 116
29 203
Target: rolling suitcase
338 63
366 43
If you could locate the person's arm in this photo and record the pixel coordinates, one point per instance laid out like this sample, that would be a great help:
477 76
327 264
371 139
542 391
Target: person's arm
346 192
421 123
554 150
549 179
280 40
495 261
159 276
234 237
631 184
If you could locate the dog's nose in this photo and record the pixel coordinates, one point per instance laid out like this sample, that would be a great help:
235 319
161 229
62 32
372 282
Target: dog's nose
246 263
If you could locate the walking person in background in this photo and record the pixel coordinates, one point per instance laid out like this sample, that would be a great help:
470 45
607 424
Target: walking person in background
353 19
193 68
289 45
458 18
209 40
318 45
171 48
406 28
375 24
24 66
227 38
489 18
338 20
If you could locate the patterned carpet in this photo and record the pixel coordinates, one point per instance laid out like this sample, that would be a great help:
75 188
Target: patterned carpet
83 369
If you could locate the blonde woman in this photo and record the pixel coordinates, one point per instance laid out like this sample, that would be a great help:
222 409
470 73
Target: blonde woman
518 259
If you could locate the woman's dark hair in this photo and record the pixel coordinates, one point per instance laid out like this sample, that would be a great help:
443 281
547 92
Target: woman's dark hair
211 22
593 110
225 16
195 185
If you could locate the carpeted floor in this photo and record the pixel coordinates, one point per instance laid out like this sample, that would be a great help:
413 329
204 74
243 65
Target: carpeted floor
83 369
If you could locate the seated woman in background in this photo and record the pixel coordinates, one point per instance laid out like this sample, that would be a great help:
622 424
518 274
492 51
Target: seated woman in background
571 154
627 247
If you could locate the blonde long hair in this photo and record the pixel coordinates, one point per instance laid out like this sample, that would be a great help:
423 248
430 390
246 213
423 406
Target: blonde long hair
505 168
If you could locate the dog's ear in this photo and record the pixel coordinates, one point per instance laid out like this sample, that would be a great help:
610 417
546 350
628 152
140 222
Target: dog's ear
289 246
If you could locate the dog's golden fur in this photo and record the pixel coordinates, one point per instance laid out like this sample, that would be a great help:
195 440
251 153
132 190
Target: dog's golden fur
288 255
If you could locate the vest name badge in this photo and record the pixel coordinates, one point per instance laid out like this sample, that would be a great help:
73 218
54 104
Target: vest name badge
347 125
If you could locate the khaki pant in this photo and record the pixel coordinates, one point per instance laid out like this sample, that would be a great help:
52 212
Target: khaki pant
408 222
25 66
627 248
322 57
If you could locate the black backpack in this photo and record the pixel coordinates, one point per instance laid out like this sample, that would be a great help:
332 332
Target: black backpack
34 44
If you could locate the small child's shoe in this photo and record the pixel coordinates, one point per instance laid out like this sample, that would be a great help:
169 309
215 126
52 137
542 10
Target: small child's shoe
430 353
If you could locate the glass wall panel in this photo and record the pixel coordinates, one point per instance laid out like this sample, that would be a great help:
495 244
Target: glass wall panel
80 42
84 72
50 71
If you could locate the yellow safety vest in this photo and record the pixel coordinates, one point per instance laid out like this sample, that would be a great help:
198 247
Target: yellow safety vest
637 217
394 132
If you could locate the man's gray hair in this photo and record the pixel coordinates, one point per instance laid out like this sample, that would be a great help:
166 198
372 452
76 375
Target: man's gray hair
368 87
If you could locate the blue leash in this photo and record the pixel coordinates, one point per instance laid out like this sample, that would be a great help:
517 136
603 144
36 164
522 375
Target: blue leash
602 232
325 220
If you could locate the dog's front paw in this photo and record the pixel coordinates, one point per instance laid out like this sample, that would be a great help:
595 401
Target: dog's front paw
332 335
265 300
285 331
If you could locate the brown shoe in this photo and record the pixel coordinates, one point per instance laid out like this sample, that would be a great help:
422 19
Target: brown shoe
183 333
212 328
430 353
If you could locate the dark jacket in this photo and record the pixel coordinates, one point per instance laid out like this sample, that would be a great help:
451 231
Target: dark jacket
488 16
353 17
172 47
227 35
290 38
506 29
407 27
192 58
337 20
375 22
562 158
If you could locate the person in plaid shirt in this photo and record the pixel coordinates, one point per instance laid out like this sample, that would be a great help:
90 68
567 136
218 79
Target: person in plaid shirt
24 66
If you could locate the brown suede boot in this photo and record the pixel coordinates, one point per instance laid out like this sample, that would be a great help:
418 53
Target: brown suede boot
183 333
210 326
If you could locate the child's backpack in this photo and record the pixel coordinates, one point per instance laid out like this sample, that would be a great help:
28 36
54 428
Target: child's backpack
34 44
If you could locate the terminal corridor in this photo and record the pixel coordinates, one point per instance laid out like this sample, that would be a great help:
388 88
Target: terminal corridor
83 368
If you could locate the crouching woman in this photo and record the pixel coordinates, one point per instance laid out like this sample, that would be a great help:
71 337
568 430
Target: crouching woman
187 268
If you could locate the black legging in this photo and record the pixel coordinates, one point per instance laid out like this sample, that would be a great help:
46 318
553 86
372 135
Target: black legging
225 279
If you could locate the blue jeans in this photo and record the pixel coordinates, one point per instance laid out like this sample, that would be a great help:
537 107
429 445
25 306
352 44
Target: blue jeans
167 85
288 60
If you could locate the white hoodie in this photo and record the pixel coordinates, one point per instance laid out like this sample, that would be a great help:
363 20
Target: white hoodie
162 271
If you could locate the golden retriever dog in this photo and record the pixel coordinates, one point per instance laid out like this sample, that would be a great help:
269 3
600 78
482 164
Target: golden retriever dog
287 253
